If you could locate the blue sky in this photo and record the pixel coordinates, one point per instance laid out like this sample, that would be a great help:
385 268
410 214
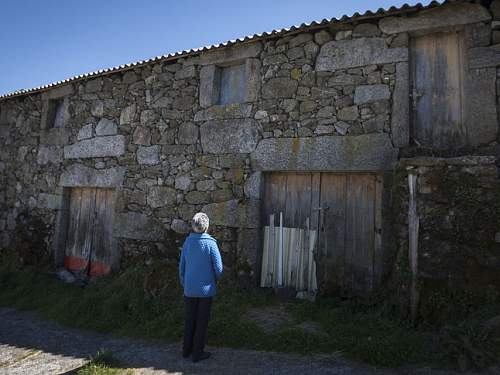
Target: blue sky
43 41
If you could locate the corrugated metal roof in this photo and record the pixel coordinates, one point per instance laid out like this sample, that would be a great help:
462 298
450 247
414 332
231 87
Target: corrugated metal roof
176 55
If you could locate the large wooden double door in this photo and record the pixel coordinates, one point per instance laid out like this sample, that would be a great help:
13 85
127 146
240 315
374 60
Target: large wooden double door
90 247
345 210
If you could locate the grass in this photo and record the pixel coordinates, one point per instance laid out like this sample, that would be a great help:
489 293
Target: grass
103 364
123 304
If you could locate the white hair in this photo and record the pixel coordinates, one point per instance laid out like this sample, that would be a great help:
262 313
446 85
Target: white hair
200 222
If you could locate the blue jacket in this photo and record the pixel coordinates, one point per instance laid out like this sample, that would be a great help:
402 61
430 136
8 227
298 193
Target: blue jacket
200 265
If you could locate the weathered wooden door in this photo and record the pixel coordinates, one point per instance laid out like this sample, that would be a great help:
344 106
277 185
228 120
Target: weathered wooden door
345 209
90 247
437 62
350 240
294 194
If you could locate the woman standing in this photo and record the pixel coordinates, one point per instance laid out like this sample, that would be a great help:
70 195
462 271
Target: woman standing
200 267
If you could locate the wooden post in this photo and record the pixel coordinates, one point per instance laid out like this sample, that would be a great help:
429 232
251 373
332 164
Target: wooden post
271 254
413 227
305 267
280 253
312 284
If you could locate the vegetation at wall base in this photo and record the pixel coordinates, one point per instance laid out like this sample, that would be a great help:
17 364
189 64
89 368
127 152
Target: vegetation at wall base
145 301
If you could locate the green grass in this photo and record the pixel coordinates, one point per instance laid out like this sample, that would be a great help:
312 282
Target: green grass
103 364
120 304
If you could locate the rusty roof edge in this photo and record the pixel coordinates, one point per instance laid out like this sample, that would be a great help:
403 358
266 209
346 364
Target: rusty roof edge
381 12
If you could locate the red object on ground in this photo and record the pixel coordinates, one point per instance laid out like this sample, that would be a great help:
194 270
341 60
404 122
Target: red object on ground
76 264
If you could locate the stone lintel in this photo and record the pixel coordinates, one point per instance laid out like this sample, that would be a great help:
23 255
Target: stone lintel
345 54
367 152
96 147
231 54
79 175
58 92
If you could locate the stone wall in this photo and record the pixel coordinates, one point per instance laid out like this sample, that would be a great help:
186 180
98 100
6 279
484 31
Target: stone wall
331 98
458 207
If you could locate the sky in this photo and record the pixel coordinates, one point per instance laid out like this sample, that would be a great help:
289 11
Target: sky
42 41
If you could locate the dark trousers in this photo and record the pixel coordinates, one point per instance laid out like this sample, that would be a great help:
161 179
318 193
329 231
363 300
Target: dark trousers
196 316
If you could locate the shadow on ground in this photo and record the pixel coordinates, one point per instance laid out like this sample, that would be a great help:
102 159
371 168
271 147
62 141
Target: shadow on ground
30 345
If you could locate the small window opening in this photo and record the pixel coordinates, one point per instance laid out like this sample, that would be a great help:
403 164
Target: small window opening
232 84
57 112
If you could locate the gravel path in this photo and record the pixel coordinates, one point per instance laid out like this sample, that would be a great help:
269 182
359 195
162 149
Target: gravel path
30 345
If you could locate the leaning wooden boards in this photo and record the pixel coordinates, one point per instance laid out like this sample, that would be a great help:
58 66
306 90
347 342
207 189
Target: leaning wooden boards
290 263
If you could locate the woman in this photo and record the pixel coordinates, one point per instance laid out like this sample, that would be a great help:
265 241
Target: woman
200 267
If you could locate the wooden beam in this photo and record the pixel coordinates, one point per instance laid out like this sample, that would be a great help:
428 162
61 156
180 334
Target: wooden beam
413 228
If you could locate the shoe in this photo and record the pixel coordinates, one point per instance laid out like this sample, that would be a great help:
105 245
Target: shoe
201 357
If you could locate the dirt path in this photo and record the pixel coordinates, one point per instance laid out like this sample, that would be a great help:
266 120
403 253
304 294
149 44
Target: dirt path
29 345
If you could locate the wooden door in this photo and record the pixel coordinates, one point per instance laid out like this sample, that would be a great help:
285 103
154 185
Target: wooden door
296 197
437 62
90 247
350 238
80 230
332 240
344 209
292 194
360 234
103 256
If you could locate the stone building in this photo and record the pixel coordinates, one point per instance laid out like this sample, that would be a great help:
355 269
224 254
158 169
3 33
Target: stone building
322 123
